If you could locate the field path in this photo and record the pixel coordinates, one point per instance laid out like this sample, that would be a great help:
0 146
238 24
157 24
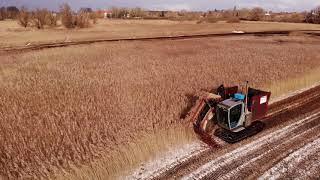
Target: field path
258 156
39 46
304 163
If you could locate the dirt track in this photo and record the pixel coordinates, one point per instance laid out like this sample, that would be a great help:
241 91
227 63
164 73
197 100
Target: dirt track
291 124
72 43
303 163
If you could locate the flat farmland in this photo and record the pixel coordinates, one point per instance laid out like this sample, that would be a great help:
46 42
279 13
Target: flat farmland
11 34
65 108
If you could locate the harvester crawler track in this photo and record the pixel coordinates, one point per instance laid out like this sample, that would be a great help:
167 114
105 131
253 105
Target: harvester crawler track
234 137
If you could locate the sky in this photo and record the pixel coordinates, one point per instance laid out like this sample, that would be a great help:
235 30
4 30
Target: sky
202 5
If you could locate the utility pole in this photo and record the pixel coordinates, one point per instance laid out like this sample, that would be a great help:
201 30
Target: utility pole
234 11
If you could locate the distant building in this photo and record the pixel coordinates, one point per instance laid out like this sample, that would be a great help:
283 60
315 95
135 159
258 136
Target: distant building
85 10
267 16
104 13
107 14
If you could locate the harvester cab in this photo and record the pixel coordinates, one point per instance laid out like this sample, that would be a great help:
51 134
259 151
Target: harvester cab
238 117
231 114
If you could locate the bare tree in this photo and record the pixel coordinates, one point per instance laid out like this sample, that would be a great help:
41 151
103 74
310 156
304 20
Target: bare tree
12 12
308 17
137 12
313 16
39 18
24 17
316 15
119 12
244 14
94 17
256 14
52 19
67 18
82 20
3 14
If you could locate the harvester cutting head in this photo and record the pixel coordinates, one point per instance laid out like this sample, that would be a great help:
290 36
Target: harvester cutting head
203 116
205 111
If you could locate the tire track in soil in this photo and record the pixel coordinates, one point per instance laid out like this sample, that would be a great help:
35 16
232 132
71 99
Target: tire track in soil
308 169
303 163
305 102
231 162
268 156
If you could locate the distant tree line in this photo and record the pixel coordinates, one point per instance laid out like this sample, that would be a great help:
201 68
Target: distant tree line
10 12
40 18
127 12
232 15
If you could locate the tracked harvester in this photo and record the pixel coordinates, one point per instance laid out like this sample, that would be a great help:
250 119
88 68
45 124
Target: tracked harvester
230 114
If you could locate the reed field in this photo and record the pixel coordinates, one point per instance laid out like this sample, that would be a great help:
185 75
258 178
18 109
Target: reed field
94 111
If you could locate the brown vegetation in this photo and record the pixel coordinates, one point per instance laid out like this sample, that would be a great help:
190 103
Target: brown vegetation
292 18
233 19
94 17
313 16
40 18
67 18
3 13
208 19
12 12
119 12
82 20
137 13
71 20
62 108
256 14
24 17
52 19
123 13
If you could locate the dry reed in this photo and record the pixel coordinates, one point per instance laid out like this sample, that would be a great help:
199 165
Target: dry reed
107 107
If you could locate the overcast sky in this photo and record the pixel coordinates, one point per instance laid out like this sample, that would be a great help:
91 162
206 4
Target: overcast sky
275 5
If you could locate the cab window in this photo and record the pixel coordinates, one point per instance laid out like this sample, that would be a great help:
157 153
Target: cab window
235 114
222 117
